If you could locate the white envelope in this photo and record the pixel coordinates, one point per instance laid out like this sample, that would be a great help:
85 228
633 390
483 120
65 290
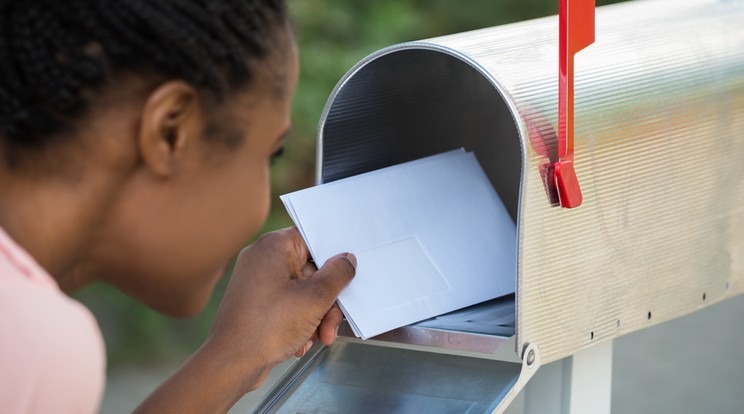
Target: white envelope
430 236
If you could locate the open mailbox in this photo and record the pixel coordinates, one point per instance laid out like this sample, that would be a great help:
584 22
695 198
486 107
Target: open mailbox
660 156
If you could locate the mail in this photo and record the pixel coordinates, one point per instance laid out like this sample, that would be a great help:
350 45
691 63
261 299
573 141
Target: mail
430 236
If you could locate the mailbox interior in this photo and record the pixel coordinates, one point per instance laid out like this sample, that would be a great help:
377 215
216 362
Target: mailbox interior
406 103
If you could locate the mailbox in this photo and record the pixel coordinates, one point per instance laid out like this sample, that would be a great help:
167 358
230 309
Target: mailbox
659 152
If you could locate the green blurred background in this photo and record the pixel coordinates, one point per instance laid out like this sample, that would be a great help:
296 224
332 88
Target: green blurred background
333 35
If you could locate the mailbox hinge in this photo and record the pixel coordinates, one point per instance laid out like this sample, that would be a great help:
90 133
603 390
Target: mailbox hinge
530 364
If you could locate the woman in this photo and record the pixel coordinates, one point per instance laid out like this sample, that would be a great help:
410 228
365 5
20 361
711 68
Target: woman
136 138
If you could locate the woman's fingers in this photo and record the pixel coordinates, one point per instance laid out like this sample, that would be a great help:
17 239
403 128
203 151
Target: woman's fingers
328 329
309 344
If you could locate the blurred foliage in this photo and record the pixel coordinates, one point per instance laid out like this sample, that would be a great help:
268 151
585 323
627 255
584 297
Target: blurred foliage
332 35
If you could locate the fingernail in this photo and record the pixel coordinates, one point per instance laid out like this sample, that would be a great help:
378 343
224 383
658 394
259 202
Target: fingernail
308 345
352 259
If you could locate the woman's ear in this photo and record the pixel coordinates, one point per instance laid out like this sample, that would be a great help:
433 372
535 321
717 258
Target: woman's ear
172 121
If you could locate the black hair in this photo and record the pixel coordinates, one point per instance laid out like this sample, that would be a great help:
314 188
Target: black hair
52 51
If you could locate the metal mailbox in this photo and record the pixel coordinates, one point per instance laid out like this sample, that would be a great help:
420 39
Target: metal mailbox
659 152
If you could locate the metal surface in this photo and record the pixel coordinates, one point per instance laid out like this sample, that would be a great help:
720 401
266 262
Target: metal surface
357 378
482 328
438 338
531 362
658 150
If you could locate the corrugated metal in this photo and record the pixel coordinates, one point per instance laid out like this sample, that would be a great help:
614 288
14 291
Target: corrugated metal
659 154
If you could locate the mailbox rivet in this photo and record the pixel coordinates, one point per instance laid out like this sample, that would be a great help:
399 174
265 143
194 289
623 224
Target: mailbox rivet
531 357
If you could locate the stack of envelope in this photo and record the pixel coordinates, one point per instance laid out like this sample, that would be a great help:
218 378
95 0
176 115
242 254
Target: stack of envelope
430 236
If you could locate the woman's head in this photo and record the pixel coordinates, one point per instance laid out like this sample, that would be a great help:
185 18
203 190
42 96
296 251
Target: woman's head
54 54
151 125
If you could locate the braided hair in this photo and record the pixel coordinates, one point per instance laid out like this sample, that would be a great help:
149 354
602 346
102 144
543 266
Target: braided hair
52 51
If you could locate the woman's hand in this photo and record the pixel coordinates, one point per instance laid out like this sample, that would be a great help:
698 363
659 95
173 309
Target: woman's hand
277 301
276 305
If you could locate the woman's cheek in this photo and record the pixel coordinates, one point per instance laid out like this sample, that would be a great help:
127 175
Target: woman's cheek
259 201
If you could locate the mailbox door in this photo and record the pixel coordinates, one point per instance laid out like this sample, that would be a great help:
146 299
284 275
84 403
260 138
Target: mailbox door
363 378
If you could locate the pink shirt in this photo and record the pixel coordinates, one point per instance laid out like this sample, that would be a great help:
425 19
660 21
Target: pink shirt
52 357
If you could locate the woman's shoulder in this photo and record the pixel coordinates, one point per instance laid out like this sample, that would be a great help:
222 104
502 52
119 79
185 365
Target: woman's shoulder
43 312
52 352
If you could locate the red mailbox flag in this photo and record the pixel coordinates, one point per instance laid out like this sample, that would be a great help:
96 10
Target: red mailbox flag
576 19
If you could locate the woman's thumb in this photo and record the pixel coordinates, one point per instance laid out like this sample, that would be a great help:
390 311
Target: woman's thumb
335 274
